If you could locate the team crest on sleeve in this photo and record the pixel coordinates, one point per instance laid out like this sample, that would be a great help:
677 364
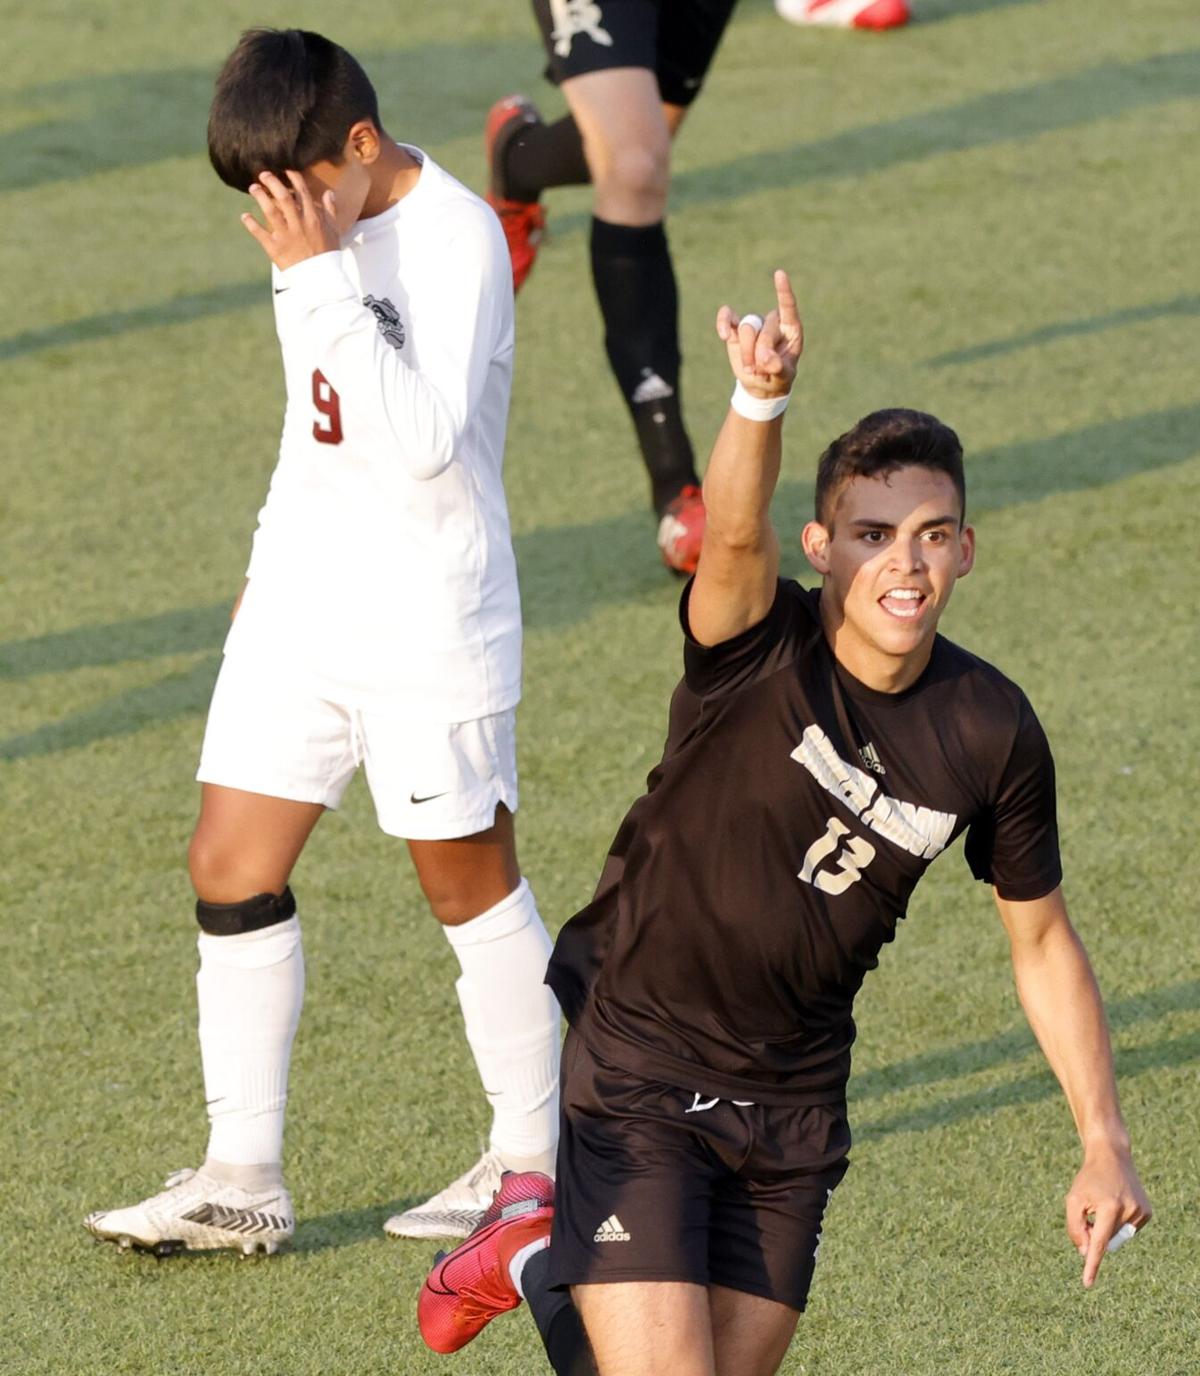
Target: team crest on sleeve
387 317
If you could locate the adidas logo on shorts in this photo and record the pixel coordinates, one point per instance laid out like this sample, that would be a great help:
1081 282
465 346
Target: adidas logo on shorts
611 1230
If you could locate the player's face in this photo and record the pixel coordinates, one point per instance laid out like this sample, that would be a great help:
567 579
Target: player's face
889 566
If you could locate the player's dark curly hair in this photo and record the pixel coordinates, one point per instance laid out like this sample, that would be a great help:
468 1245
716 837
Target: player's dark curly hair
880 444
285 98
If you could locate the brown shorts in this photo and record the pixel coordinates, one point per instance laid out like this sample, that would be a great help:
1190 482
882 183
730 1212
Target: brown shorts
661 1183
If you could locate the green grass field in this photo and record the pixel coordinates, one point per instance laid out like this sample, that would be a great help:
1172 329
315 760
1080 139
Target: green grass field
992 215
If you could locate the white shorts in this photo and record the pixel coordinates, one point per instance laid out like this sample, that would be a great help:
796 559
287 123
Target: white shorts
430 781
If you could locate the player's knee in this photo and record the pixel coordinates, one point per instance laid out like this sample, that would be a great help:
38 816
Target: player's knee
454 899
221 871
451 903
246 915
638 173
208 862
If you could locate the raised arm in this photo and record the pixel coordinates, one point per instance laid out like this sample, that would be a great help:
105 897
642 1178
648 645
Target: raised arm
739 558
1062 1002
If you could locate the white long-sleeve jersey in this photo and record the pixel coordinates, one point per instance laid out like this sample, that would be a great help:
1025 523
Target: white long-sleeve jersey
382 569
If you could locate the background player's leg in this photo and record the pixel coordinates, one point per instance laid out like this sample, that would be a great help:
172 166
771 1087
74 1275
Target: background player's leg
539 157
647 1328
750 1334
250 985
627 142
475 890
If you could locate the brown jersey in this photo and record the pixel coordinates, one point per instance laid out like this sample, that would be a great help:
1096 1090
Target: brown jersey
751 887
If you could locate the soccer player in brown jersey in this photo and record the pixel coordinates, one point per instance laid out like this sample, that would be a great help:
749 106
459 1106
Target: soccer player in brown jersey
823 747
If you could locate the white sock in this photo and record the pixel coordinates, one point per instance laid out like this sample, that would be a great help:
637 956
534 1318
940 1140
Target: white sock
250 988
512 1022
520 1257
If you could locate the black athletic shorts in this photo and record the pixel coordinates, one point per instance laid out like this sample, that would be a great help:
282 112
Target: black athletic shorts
675 39
660 1183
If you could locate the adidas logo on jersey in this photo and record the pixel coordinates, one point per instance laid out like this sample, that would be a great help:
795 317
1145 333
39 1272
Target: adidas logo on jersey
870 757
611 1230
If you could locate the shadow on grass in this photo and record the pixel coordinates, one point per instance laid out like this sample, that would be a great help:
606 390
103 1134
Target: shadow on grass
1103 92
347 1227
1030 1089
1075 461
568 572
937 11
953 1063
171 633
1090 457
178 310
1067 329
128 119
1098 93
180 695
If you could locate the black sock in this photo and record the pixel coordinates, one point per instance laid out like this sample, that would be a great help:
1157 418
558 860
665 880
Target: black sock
543 155
635 284
557 1319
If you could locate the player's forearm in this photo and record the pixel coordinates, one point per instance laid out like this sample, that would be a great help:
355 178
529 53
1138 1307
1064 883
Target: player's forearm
1062 1002
421 424
740 482
420 414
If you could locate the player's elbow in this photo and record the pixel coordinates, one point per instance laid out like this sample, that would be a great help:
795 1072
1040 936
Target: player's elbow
425 466
738 537
430 448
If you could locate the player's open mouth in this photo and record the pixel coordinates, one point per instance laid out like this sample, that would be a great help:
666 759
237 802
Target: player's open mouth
903 603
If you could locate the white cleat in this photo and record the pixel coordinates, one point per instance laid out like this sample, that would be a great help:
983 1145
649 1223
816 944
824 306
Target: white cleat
195 1213
457 1210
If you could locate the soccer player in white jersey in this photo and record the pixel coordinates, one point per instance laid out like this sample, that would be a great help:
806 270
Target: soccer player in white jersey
379 625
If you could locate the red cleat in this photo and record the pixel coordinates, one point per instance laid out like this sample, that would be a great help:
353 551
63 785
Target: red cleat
681 531
846 14
469 1286
522 221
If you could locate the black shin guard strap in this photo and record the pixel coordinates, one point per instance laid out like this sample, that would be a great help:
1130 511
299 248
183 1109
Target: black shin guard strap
250 915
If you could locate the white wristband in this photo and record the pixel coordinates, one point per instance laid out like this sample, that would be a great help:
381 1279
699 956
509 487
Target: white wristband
758 408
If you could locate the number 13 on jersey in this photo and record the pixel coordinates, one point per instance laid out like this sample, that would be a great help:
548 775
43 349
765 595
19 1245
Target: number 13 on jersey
856 856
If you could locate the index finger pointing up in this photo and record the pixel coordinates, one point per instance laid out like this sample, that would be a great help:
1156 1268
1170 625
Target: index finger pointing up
789 313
